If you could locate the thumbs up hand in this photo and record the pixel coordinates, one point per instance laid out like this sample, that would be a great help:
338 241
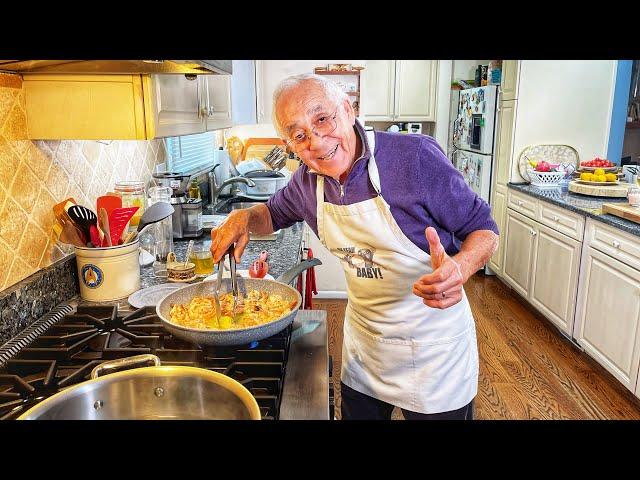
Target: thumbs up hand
441 288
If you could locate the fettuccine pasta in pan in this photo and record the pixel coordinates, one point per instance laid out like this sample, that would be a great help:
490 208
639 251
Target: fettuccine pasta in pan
254 309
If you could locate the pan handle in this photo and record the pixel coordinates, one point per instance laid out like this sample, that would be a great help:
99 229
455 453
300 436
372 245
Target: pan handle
113 366
288 276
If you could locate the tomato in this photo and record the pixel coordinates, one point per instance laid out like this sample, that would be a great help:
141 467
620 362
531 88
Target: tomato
258 269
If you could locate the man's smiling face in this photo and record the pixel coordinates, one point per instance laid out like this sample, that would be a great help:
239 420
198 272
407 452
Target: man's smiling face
302 109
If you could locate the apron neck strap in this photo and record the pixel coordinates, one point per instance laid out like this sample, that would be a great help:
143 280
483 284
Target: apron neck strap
374 175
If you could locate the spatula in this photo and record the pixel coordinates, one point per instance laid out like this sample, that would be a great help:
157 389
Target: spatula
109 203
118 221
84 218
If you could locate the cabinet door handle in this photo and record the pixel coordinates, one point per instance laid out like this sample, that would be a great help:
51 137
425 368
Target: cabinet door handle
616 244
533 233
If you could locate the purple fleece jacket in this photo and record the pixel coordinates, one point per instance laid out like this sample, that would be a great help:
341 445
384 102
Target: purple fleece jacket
418 181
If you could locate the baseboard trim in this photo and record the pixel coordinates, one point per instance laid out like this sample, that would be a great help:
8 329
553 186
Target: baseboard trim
322 294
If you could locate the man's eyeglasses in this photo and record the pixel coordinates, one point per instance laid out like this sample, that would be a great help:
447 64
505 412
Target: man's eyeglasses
322 127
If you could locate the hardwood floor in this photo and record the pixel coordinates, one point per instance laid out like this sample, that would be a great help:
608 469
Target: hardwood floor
528 370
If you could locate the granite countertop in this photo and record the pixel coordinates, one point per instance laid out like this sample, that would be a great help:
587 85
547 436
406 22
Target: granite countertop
581 204
283 253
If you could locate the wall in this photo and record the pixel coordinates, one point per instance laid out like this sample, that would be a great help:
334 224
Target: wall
35 175
243 88
564 102
619 110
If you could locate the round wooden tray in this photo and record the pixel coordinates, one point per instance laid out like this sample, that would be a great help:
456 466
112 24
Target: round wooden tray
616 190
588 182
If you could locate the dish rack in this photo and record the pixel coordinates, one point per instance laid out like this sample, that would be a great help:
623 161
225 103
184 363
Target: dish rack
545 179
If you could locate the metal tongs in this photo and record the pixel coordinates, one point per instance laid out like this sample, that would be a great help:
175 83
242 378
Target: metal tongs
238 286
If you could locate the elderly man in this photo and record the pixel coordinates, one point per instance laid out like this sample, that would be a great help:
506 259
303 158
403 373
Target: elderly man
396 204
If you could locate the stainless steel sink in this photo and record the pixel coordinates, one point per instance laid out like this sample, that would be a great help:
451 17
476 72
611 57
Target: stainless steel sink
227 206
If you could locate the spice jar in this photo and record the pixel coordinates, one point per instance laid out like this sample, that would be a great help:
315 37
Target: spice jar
633 195
133 195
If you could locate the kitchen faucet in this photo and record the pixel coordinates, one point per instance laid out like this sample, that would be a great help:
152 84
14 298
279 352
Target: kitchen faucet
215 189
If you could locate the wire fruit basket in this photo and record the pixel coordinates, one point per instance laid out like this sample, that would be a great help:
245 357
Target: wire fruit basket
545 179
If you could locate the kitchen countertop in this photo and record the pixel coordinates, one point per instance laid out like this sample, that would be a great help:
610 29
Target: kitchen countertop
283 253
581 204
306 383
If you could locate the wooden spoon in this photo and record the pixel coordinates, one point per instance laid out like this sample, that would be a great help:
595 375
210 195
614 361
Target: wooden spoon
104 225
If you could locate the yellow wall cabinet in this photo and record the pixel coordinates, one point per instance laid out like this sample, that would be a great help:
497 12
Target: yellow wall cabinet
125 107
402 90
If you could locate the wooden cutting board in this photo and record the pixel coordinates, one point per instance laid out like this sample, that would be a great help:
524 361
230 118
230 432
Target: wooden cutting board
623 210
619 190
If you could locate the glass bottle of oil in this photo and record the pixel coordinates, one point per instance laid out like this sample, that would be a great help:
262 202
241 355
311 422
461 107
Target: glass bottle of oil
194 189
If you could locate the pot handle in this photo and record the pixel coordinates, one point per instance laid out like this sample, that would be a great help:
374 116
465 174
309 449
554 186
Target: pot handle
113 366
288 276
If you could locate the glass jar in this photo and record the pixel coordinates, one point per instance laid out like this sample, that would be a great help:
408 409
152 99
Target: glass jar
633 195
133 194
161 232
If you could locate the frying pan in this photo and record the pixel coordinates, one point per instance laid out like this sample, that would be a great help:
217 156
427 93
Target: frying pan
239 336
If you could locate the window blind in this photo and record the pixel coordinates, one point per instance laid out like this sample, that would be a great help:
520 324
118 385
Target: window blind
188 153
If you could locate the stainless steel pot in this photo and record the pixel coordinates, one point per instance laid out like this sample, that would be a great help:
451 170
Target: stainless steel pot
240 336
149 393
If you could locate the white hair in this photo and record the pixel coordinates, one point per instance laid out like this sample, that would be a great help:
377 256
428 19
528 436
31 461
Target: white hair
329 87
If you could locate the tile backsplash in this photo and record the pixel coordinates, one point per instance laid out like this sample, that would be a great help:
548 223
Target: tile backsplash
35 175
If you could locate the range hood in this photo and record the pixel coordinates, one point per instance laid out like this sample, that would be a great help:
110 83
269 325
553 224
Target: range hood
106 67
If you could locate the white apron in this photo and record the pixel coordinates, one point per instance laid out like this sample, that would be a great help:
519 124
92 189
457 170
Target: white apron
396 348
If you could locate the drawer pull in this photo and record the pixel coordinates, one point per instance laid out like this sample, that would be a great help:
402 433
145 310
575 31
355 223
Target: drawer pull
556 218
616 244
520 202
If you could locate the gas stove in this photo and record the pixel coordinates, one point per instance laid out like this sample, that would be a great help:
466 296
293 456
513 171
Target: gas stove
65 353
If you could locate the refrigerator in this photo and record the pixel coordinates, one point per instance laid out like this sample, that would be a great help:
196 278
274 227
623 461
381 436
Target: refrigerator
472 136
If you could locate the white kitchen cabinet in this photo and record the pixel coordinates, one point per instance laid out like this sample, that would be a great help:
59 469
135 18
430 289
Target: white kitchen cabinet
504 145
509 82
498 212
608 315
519 244
554 280
217 90
177 104
542 265
330 280
378 90
400 90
